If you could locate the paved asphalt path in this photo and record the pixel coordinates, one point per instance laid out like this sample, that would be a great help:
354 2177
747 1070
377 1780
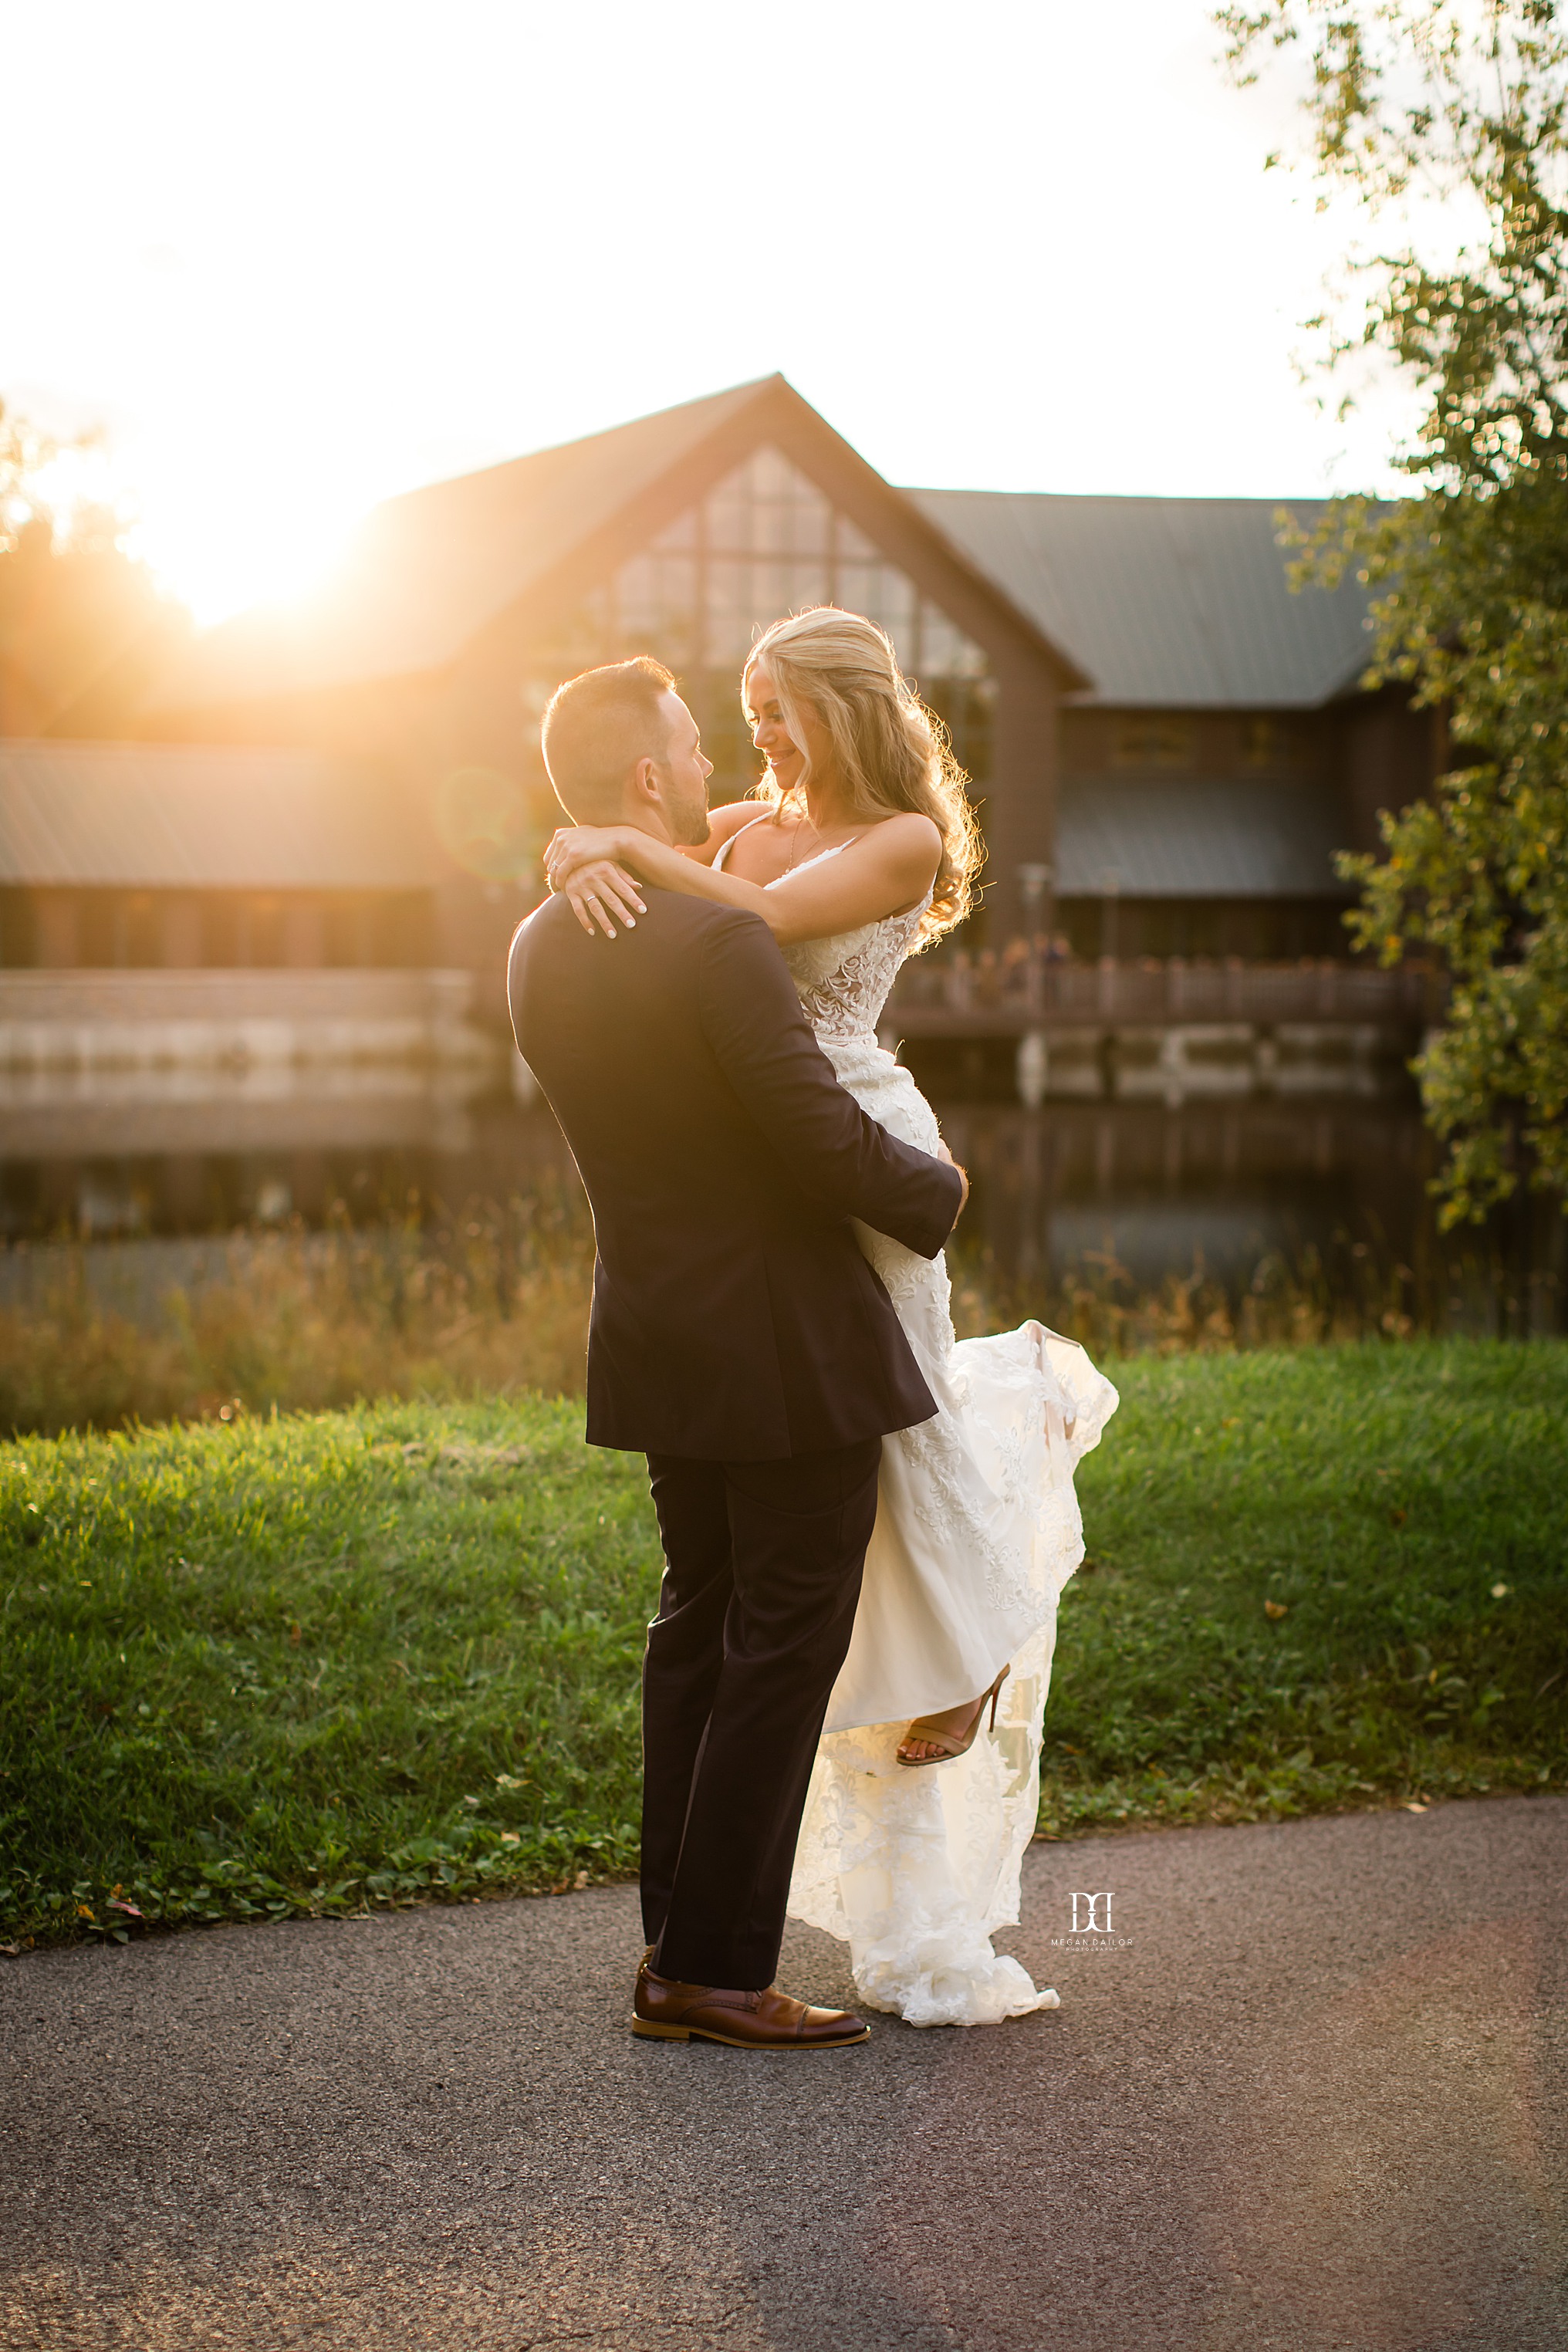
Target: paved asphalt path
1311 2094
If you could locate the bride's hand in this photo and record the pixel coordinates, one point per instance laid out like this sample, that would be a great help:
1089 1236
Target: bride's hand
600 891
572 845
581 863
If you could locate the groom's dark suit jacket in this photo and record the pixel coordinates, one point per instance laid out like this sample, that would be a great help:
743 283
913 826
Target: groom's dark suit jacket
735 1317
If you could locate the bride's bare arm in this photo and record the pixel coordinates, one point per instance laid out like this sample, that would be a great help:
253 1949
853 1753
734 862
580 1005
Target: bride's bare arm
891 867
602 892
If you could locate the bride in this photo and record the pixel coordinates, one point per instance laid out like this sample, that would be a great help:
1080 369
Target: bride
926 1785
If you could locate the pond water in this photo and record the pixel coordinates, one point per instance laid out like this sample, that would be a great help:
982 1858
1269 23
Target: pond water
1126 1192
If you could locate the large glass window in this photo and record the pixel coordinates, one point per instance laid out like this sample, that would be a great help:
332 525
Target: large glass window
763 543
766 542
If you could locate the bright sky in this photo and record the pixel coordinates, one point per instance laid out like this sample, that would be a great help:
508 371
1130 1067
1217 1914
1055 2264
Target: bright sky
294 258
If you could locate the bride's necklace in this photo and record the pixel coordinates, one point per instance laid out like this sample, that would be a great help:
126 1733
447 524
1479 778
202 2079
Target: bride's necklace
800 825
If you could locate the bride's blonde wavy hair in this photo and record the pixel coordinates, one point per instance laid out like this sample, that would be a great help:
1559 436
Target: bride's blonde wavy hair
890 752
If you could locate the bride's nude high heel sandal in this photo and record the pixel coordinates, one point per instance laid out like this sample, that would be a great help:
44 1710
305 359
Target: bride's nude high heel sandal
951 1744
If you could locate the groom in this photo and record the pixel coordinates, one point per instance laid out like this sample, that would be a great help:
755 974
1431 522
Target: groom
739 1338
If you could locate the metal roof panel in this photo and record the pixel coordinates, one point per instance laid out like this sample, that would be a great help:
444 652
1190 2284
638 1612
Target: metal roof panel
1201 840
1167 602
191 815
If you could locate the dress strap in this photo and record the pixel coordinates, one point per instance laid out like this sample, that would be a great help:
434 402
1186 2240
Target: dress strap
835 849
726 846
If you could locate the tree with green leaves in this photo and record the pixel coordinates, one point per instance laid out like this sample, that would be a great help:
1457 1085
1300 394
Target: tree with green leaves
84 628
1451 117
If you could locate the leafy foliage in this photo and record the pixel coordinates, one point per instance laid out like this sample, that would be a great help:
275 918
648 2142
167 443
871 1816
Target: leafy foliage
84 629
1461 106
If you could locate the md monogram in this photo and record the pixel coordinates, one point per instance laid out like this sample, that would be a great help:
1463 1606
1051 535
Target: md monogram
1091 1929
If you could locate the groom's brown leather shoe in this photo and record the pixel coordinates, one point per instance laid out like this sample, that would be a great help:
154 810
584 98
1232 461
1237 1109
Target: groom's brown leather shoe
666 2011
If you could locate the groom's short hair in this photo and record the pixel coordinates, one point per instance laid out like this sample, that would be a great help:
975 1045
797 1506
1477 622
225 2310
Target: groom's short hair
597 727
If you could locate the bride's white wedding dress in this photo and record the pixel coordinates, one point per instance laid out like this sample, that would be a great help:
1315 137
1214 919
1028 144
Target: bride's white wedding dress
977 1531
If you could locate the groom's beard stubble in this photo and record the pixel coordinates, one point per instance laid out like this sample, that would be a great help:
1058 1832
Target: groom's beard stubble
694 826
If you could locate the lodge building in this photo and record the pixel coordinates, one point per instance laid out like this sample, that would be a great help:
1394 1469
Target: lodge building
1166 744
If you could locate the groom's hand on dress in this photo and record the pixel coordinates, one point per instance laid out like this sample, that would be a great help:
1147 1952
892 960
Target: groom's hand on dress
944 1153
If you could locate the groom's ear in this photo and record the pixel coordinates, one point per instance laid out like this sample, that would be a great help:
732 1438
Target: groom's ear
642 783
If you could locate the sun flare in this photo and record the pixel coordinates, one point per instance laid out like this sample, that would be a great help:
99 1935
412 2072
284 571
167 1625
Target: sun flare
222 546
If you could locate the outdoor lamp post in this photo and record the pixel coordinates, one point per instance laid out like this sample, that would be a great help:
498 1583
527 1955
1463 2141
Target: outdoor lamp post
1034 880
1109 893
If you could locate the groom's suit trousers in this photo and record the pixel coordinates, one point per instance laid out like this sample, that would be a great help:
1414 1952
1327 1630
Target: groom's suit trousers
763 1562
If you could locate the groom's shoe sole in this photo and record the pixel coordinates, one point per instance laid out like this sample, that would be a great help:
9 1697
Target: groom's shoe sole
651 2032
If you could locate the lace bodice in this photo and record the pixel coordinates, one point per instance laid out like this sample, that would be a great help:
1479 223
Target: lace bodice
843 983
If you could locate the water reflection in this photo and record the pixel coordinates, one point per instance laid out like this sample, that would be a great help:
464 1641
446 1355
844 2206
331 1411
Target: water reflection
188 1152
1158 1186
83 1116
1143 1189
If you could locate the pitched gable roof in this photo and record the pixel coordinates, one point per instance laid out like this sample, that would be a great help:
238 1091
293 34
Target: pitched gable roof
429 570
1166 602
1162 602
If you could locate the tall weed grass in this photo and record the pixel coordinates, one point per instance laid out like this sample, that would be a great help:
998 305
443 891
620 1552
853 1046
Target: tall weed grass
494 1302
1283 1303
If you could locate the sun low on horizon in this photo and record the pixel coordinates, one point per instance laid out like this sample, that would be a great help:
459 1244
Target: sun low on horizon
267 544
264 544
219 563
291 267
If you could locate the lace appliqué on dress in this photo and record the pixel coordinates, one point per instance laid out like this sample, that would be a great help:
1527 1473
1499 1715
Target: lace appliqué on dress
844 982
944 1512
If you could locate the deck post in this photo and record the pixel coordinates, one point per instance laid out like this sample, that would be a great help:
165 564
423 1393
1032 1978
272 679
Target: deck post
1032 1065
1034 881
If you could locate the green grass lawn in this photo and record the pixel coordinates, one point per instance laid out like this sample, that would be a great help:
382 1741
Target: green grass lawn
304 1663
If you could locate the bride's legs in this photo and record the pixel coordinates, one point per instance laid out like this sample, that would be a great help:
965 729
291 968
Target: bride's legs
937 1738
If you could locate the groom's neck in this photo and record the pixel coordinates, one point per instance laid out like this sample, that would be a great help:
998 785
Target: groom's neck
642 820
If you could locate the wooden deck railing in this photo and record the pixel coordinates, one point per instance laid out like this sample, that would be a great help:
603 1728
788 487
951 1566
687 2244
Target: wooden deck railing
90 1019
957 998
